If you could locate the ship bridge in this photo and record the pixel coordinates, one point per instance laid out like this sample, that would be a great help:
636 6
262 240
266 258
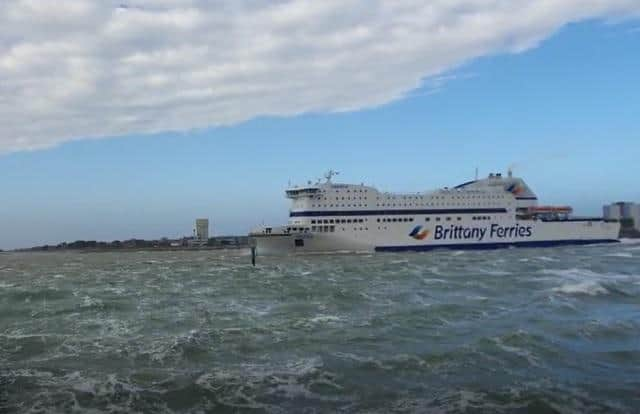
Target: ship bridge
295 193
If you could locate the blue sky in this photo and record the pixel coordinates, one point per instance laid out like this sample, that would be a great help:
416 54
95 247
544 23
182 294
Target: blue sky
565 112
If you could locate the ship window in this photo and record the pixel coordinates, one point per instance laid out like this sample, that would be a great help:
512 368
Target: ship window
313 228
313 222
427 219
437 218
331 221
411 219
459 218
299 242
378 220
448 218
349 221
332 229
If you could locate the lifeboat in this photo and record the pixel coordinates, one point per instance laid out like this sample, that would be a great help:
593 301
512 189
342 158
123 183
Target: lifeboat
550 210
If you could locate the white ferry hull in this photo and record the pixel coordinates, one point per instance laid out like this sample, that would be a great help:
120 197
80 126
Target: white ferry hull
543 234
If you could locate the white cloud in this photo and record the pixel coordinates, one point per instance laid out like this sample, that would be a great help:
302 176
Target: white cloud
74 69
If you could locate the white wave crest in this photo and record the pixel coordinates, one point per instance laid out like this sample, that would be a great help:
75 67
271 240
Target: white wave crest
325 319
585 288
546 259
620 254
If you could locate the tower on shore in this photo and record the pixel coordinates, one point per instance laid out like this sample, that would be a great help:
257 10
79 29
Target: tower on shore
202 229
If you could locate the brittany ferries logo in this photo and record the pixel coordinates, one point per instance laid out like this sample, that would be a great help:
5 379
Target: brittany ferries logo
515 189
419 233
453 232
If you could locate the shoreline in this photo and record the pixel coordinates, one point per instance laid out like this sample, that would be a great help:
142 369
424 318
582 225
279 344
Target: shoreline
128 250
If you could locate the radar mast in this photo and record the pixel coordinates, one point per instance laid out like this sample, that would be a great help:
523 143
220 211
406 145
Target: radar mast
330 174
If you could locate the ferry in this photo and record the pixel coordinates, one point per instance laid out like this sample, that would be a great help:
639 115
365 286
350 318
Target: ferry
493 212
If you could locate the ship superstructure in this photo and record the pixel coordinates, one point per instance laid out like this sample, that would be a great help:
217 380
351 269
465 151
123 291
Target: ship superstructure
496 211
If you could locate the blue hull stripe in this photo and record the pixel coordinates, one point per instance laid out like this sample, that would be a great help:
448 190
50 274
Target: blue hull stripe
317 213
490 246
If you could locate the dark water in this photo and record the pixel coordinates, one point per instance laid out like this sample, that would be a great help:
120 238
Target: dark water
523 330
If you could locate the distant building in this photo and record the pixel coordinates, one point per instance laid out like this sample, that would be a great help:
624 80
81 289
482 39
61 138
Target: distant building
202 229
612 211
623 210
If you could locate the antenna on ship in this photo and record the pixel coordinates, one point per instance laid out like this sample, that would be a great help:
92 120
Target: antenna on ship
330 174
476 173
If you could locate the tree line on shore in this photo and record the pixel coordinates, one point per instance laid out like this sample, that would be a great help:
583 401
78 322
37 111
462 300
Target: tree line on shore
184 243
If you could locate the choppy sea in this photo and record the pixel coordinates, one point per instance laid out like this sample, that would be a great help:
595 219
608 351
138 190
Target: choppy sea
515 330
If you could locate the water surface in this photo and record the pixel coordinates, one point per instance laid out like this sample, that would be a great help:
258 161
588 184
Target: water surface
516 330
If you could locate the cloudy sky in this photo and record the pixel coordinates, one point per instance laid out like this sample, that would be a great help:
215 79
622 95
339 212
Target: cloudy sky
183 93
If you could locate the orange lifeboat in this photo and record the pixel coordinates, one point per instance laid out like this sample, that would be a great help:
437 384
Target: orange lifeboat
550 209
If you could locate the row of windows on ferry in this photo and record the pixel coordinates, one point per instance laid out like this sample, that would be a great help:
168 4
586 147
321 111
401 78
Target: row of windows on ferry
405 205
379 220
392 220
432 201
419 198
467 196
